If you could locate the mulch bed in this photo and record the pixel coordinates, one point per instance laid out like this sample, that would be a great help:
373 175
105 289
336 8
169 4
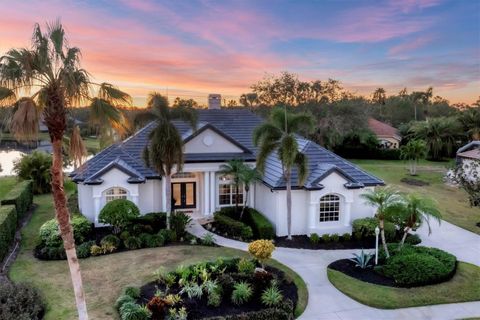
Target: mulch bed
367 275
198 308
304 242
414 182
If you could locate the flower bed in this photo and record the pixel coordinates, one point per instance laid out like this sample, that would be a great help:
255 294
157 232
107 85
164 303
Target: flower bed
223 289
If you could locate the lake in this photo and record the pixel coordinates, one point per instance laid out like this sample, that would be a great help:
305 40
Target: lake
7 158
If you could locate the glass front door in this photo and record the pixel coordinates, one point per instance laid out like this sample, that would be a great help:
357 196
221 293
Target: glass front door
184 195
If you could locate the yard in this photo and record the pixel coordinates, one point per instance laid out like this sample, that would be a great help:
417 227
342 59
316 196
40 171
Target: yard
105 276
6 184
453 202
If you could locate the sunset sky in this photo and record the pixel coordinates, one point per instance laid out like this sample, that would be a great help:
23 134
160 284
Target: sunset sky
198 47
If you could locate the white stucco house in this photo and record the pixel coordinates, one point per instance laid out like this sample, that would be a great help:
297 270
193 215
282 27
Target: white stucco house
326 203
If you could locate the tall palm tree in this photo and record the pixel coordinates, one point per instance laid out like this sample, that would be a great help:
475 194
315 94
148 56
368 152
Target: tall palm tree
51 70
470 120
234 169
247 177
416 210
279 135
382 199
413 151
165 151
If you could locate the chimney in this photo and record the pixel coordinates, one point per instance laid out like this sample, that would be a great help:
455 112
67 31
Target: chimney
214 101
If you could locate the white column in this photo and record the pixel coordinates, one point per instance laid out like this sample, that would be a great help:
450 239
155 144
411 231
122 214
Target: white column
348 206
164 195
206 193
96 206
134 198
252 195
312 216
213 191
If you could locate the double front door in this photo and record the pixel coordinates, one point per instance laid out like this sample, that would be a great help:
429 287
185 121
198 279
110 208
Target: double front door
184 195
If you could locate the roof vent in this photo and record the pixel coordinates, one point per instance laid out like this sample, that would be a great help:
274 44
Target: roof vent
214 101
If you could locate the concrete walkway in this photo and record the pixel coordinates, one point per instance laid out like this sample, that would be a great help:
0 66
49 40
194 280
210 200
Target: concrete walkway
326 302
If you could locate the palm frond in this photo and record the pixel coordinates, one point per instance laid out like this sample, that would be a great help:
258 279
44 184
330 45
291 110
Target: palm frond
288 150
158 104
266 131
25 120
301 123
113 95
56 33
7 96
102 112
77 150
265 150
301 162
185 113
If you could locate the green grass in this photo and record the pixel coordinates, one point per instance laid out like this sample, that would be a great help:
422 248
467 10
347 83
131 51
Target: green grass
104 277
464 286
92 144
453 202
6 184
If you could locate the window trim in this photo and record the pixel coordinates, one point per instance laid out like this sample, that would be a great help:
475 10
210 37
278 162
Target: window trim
116 194
337 201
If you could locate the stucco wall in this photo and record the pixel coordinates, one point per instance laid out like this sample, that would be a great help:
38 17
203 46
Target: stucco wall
210 142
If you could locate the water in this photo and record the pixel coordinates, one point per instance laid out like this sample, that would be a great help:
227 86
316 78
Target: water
7 159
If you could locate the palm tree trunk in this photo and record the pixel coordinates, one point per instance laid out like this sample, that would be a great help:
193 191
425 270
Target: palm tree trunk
405 234
414 171
247 189
63 218
237 192
289 204
382 235
168 195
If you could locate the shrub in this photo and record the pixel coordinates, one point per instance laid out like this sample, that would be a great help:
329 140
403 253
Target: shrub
124 235
261 249
144 238
158 307
8 226
133 243
179 221
232 227
168 235
110 240
155 220
314 238
335 237
84 249
36 167
119 213
365 228
96 250
272 296
413 239
245 266
262 279
362 260
21 196
214 298
133 311
20 301
133 292
50 231
242 292
261 227
326 238
81 228
346 237
193 290
122 300
208 239
108 248
155 240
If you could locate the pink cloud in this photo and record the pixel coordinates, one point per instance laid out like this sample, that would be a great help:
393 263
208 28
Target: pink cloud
409 45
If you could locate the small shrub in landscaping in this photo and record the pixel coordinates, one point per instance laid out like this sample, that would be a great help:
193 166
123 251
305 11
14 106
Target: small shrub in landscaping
50 232
20 301
346 237
155 220
168 235
81 228
110 240
262 279
261 249
144 238
108 248
242 292
362 260
158 307
314 238
179 221
133 292
365 228
208 239
155 240
84 249
133 311
413 239
335 237
133 243
214 298
96 250
232 227
123 299
245 266
124 235
119 213
326 238
272 296
193 290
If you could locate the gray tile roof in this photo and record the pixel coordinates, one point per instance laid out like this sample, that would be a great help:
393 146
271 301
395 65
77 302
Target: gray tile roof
236 125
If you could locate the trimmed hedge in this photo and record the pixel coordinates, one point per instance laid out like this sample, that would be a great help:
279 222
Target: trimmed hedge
232 227
261 227
8 226
21 196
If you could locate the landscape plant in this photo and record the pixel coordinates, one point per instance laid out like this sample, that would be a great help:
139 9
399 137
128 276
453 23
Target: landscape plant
413 151
118 213
20 301
262 250
35 167
234 169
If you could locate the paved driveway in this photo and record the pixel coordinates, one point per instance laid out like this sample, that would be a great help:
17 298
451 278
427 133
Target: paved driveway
326 302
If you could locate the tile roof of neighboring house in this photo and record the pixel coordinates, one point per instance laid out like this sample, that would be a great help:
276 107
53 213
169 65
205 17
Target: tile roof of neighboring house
470 154
383 129
235 125
469 146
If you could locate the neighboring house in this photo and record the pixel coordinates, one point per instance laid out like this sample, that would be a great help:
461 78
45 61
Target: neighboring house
388 136
327 202
467 154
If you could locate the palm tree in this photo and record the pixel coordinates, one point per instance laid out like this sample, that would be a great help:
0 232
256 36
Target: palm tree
234 168
165 151
415 211
51 70
413 151
379 96
440 135
382 199
76 148
470 120
247 177
280 135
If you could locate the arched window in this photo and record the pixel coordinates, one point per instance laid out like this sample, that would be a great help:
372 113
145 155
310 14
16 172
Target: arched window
329 208
115 193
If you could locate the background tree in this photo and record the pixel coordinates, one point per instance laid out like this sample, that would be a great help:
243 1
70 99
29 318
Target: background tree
382 199
470 121
413 151
234 169
379 96
36 167
189 103
165 150
50 69
249 99
279 135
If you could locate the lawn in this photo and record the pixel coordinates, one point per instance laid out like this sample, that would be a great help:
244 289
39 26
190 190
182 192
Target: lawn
105 276
465 284
6 184
453 202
